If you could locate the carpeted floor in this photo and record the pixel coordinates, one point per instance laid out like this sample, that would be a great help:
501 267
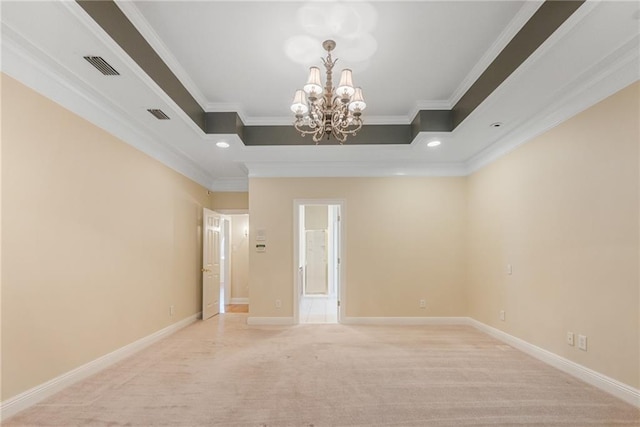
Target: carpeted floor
221 372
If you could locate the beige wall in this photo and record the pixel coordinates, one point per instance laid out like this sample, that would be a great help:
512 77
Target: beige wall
239 256
563 210
230 200
405 240
98 241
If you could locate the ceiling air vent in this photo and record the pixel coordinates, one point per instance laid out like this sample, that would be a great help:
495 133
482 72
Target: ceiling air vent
158 114
103 66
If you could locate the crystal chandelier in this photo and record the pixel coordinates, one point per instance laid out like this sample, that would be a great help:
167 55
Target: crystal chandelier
330 113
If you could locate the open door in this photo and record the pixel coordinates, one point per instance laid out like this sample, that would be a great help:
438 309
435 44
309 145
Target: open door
210 264
319 264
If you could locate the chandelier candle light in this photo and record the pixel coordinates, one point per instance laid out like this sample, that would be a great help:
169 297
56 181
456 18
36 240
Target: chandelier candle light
324 114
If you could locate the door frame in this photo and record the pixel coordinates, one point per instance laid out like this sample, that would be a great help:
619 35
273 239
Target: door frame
225 261
206 213
227 215
342 284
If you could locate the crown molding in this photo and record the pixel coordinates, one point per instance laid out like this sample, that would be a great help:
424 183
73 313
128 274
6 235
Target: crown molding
230 184
426 105
83 18
613 73
144 28
134 15
388 120
382 168
35 69
288 120
269 121
525 13
226 107
532 60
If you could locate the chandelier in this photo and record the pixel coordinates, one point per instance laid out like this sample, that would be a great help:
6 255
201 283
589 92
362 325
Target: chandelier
328 113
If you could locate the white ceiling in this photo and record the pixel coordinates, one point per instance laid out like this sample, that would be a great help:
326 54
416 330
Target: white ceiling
250 57
401 52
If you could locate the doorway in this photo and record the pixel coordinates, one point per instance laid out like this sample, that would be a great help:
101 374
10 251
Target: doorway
211 263
318 262
225 252
237 262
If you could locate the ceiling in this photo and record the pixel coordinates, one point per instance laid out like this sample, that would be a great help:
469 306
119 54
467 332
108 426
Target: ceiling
200 59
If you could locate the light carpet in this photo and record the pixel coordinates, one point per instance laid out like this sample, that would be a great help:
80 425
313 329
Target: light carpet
221 372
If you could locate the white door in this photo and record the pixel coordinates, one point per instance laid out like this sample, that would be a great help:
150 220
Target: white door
210 264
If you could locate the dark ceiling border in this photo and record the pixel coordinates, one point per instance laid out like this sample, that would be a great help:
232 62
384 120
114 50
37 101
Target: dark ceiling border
544 22
109 16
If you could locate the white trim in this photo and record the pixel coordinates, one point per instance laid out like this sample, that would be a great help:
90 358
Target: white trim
33 68
270 321
230 184
622 391
406 321
288 120
614 387
229 107
342 253
134 15
239 301
426 105
319 169
612 74
526 12
85 19
36 394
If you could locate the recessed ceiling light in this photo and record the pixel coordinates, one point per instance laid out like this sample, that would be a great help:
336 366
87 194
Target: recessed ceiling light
432 144
222 144
496 124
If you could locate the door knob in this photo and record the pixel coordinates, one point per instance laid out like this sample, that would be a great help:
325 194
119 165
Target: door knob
206 270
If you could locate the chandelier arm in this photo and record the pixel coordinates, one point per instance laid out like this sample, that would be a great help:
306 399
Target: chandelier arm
316 133
340 137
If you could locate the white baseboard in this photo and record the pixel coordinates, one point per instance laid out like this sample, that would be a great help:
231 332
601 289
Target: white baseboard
36 394
405 321
239 301
278 321
622 391
30 397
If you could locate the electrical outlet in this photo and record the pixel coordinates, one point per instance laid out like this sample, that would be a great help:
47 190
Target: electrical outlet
570 338
278 303
172 309
423 303
502 315
509 269
582 342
